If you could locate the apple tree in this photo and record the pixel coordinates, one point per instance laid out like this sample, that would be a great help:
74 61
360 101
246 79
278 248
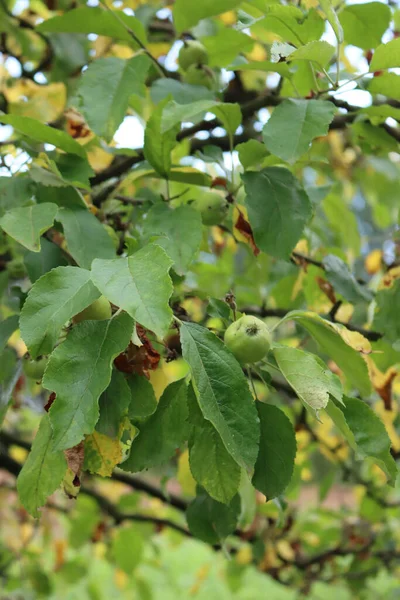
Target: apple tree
200 298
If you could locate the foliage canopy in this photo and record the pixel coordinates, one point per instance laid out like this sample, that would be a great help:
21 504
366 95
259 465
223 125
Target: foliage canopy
165 169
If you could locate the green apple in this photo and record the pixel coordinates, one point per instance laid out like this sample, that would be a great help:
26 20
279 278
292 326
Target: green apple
248 339
212 206
192 53
35 368
99 310
198 75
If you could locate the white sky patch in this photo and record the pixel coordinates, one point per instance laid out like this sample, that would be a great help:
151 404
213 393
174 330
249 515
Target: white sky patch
130 134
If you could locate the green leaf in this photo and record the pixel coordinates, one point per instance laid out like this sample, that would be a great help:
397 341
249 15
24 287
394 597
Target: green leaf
379 114
332 18
309 376
86 237
365 24
159 143
327 335
210 463
143 402
49 257
182 93
387 84
162 433
316 51
294 124
386 317
386 56
278 209
222 392
113 405
127 548
27 224
95 20
365 432
15 191
43 471
43 133
225 45
75 170
78 371
251 153
180 232
275 462
187 13
105 89
343 221
139 284
230 116
343 280
52 301
212 521
7 328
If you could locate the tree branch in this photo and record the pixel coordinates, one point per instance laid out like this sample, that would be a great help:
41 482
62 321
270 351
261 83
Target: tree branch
372 336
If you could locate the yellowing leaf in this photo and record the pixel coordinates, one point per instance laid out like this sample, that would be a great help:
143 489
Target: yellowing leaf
354 339
99 159
389 278
258 52
228 18
102 454
184 476
388 417
383 382
373 262
159 49
45 103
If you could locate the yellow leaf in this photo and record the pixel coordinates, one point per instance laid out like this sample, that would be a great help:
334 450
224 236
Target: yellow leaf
244 555
102 453
228 18
184 476
373 262
99 159
121 51
258 53
121 579
159 49
355 340
389 278
45 103
301 246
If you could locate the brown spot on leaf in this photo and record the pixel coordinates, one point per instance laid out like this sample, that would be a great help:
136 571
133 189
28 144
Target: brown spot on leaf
244 227
326 288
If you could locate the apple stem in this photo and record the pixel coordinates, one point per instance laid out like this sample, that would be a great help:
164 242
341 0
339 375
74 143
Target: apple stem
252 382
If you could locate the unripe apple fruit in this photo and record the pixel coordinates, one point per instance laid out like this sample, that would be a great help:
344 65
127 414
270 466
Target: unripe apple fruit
99 310
212 206
197 75
192 53
35 368
248 339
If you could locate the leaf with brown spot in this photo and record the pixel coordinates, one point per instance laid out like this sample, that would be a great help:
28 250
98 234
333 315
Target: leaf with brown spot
75 457
244 228
102 454
138 359
326 288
